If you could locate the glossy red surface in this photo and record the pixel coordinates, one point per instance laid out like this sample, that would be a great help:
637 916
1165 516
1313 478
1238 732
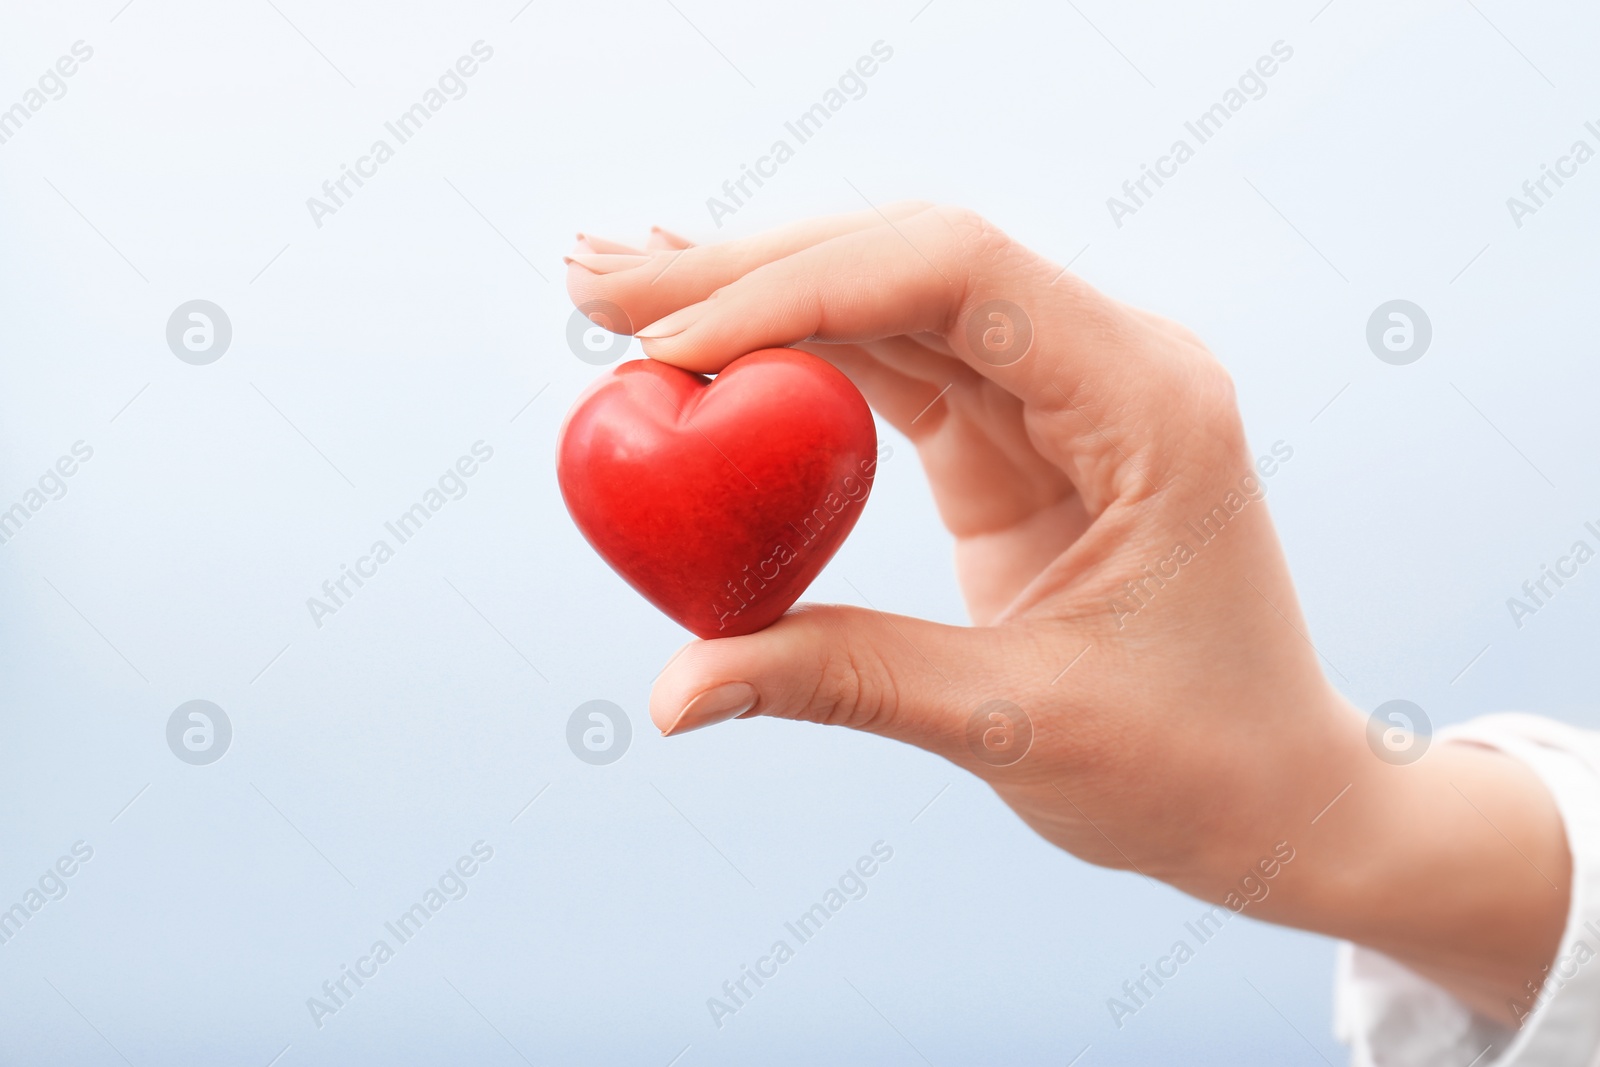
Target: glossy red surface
719 500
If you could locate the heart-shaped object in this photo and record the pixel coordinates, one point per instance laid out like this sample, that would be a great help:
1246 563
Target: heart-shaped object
719 499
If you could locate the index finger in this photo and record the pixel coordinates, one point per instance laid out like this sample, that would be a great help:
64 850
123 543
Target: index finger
645 287
1120 395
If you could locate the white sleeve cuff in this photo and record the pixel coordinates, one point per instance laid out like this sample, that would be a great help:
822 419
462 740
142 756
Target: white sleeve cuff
1391 1017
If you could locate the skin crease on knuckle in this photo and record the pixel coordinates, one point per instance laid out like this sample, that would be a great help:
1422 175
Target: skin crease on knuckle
858 686
1200 398
1190 736
973 250
806 670
758 296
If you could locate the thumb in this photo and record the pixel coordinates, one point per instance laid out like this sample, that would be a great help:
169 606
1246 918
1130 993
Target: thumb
912 680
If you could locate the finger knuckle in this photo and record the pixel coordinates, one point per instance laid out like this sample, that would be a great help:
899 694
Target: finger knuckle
971 232
966 248
1213 403
855 686
1216 396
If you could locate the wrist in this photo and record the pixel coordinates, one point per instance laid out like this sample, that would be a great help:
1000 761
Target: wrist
1455 865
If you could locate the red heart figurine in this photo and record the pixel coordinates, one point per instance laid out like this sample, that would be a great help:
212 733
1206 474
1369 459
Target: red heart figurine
719 500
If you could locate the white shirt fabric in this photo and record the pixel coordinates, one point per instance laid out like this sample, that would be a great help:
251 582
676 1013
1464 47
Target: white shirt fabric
1391 1017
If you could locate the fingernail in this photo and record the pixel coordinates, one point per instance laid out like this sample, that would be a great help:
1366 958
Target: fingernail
606 264
725 702
672 324
610 247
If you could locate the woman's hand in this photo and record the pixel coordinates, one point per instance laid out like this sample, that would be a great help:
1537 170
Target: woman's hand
1139 684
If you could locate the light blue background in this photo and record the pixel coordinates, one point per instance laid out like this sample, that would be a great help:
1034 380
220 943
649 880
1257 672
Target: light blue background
374 751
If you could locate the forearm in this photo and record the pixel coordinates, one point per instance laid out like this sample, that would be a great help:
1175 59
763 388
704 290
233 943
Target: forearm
1455 865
